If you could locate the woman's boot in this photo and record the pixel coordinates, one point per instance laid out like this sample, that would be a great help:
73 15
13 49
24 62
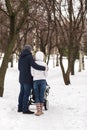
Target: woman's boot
38 109
41 107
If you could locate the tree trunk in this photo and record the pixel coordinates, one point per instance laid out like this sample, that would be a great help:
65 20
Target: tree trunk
81 61
1 83
66 76
72 68
57 60
4 64
48 58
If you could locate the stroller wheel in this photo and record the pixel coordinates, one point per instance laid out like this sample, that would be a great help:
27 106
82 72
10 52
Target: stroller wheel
46 104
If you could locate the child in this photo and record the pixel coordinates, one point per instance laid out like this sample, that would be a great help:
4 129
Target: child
39 82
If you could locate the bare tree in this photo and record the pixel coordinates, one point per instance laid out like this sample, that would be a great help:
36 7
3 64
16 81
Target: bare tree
16 20
69 19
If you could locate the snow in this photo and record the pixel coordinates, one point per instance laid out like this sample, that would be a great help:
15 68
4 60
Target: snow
67 104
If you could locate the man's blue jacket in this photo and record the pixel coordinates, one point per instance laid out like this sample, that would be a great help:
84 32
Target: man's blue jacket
24 65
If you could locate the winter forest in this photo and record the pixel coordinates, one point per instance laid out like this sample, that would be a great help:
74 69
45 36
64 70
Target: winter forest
59 29
56 27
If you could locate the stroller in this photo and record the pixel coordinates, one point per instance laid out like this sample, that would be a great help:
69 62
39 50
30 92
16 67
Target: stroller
46 93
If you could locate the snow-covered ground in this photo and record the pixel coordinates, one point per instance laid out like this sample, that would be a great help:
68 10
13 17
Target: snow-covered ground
67 104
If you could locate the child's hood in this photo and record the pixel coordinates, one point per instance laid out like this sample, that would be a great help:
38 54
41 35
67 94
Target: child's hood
39 56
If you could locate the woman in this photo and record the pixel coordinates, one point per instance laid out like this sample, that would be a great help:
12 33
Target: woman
39 82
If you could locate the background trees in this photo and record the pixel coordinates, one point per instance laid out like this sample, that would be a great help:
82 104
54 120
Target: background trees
50 25
71 26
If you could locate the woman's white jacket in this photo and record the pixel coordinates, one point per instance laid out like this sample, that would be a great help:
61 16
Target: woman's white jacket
38 74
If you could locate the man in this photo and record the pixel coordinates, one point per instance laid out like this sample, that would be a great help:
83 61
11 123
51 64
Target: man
26 80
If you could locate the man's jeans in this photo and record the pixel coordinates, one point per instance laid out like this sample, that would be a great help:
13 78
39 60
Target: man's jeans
24 97
39 88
